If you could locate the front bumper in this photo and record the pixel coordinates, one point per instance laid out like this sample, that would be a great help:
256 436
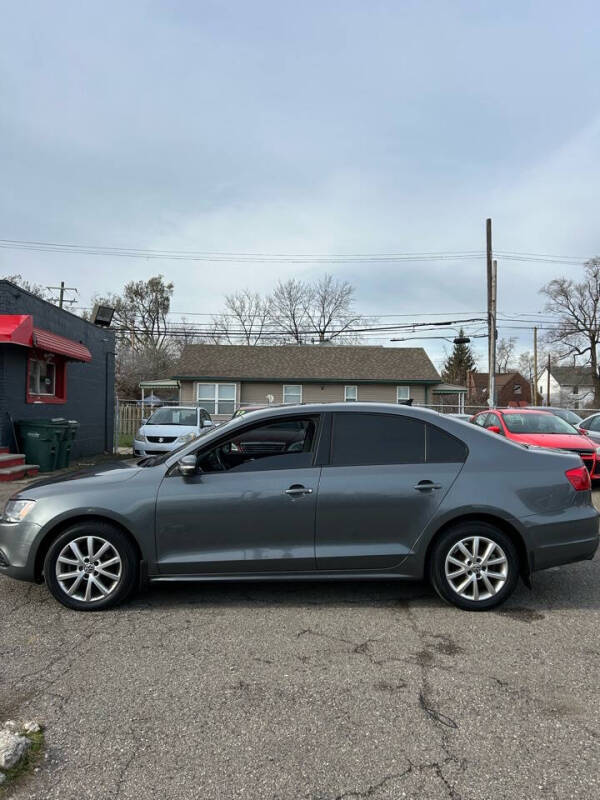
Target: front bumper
18 546
152 449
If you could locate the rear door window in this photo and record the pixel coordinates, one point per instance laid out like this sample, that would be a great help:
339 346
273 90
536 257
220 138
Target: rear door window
361 439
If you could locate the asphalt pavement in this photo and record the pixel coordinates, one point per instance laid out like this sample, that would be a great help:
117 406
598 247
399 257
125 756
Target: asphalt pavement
316 691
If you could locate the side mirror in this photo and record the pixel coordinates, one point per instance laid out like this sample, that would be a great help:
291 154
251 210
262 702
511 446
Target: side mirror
207 423
187 465
494 429
144 420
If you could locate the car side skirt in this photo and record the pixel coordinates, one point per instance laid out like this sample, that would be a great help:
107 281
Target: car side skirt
284 576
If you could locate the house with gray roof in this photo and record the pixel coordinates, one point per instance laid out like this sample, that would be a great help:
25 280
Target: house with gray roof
571 387
223 378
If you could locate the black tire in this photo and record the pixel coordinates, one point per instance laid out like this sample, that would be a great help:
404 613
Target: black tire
129 568
443 547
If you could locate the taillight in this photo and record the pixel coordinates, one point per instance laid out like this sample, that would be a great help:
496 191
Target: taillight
579 478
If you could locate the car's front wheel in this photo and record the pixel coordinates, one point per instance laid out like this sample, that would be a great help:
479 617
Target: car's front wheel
91 566
474 566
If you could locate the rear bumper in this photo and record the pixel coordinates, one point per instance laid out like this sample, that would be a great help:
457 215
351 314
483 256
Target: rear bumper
555 542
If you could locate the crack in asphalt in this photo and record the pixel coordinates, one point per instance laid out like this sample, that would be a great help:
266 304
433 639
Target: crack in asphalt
370 790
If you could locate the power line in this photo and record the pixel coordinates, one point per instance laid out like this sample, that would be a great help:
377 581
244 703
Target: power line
262 257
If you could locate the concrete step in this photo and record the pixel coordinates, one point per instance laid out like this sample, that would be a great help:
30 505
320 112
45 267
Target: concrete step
11 459
19 472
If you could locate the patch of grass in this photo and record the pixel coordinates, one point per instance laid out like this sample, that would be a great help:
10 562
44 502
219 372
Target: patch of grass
27 763
125 440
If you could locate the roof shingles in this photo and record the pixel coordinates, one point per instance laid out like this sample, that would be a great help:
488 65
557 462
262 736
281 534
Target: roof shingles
306 363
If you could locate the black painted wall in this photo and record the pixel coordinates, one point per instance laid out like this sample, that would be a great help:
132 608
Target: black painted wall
90 387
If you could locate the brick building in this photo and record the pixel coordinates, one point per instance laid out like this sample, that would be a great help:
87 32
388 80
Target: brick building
512 389
54 364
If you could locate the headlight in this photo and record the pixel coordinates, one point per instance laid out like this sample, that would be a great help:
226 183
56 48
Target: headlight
187 437
598 451
17 510
139 437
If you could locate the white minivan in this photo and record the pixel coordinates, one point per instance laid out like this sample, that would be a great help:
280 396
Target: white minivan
170 427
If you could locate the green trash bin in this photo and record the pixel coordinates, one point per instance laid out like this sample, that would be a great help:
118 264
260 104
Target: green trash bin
69 432
40 440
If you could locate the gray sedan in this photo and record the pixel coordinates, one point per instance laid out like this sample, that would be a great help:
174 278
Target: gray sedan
336 491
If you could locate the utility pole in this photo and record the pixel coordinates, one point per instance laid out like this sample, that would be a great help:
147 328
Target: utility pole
535 365
548 383
61 294
491 311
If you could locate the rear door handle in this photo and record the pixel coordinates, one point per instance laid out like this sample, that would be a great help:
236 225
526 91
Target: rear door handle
426 486
297 489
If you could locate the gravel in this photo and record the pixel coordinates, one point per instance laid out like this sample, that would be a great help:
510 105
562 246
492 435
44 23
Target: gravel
317 691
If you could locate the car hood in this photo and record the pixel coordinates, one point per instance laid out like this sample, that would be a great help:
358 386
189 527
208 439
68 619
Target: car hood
169 430
562 441
101 474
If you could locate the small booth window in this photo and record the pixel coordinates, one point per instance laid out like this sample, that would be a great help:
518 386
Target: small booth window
46 380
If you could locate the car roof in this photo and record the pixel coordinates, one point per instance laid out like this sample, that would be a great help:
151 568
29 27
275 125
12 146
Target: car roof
523 411
179 408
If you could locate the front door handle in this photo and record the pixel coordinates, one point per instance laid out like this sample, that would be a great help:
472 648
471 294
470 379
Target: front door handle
297 489
426 486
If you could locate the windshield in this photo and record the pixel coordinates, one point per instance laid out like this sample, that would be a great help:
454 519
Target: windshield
537 423
569 416
174 416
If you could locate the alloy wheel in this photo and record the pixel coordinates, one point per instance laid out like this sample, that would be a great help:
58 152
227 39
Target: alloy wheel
88 568
476 568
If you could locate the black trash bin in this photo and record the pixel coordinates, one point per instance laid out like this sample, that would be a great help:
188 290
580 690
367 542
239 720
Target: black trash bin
39 441
69 432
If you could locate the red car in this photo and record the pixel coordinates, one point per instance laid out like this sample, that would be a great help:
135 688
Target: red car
543 429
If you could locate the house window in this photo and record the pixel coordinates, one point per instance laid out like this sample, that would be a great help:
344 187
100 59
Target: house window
402 394
292 394
517 388
350 394
46 380
216 398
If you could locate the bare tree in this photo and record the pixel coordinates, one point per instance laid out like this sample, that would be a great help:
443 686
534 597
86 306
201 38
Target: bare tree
245 319
288 308
33 288
576 307
295 312
505 352
133 366
329 312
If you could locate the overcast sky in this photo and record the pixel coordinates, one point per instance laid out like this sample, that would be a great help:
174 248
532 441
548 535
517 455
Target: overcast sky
302 127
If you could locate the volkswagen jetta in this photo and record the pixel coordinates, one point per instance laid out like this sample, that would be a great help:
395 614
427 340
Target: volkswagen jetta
336 491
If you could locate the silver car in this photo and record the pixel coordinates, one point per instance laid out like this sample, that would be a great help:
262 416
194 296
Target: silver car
169 428
590 426
319 492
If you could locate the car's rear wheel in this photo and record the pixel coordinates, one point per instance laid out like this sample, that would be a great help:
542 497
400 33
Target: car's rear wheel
91 566
474 566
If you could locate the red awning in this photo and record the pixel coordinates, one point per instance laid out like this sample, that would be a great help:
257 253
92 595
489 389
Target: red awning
16 329
53 343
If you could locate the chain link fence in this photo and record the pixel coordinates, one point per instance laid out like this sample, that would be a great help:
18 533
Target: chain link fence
129 414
